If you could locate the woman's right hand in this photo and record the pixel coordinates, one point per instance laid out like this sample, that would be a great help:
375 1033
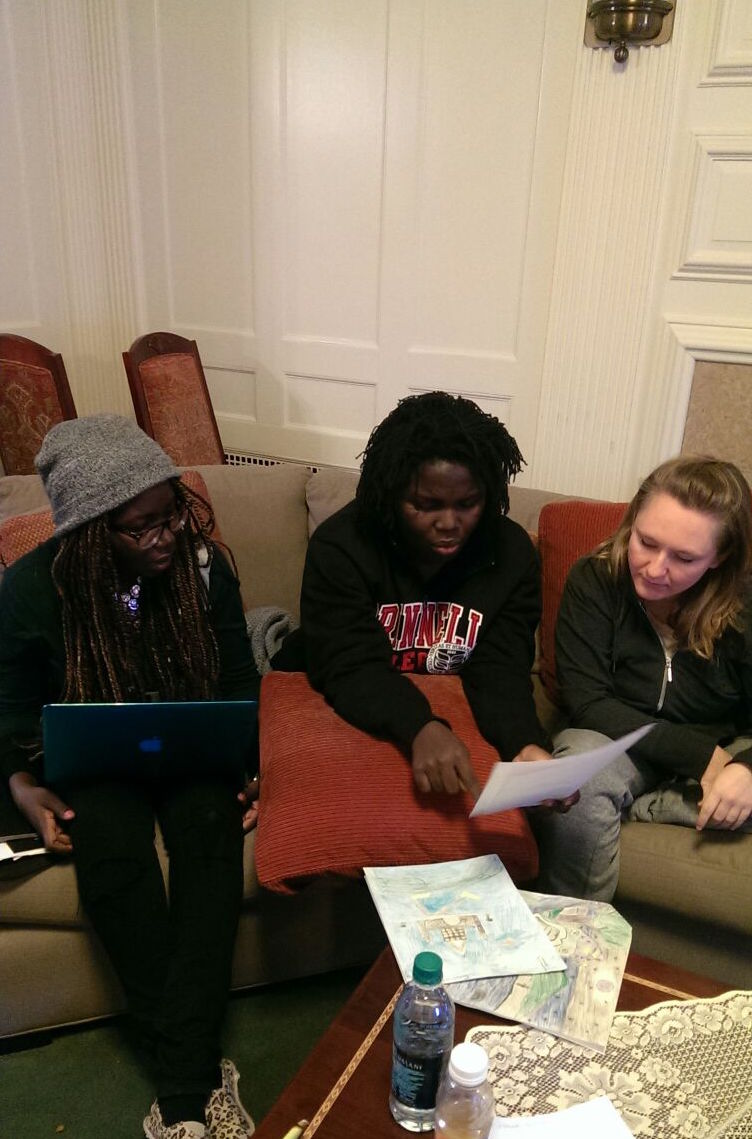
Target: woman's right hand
43 808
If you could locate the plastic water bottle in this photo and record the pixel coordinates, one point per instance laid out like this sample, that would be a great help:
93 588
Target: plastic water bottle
423 1037
465 1107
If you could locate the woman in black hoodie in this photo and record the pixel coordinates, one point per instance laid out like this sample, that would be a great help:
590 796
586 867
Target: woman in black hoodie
423 572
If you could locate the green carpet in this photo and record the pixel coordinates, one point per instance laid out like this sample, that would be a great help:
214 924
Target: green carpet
85 1083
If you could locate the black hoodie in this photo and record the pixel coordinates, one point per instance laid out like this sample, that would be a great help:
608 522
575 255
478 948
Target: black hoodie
367 619
614 676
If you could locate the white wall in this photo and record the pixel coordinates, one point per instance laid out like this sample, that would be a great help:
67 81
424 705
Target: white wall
344 201
654 257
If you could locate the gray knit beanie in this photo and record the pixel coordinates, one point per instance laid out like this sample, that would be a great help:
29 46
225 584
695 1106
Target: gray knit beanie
92 465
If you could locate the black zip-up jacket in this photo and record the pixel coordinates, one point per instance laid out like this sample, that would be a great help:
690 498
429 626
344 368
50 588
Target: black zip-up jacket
367 618
614 676
32 651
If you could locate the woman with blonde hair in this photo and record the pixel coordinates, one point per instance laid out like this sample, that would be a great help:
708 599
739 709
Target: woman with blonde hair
655 627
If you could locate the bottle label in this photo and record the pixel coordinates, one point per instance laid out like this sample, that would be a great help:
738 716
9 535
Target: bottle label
415 1079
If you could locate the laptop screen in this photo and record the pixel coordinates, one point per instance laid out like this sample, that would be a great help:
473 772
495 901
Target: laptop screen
201 738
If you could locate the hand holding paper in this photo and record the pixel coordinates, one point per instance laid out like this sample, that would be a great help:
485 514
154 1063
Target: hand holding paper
525 784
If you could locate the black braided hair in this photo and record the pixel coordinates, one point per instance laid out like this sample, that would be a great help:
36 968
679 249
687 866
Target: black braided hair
171 650
425 428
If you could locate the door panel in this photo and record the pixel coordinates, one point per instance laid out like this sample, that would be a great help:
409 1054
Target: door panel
347 204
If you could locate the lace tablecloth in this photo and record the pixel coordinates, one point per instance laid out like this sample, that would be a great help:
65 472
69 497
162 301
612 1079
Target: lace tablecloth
679 1070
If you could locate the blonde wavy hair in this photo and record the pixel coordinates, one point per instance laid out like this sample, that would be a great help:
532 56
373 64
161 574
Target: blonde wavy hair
716 602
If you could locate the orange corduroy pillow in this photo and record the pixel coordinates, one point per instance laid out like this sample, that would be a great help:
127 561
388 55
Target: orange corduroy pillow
334 799
22 533
566 531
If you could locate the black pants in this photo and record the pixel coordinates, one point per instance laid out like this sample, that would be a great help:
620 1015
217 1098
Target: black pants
173 958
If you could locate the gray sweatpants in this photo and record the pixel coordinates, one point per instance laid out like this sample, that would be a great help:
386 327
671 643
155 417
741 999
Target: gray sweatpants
579 850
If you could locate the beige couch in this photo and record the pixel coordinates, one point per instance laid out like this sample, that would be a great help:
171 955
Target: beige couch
687 905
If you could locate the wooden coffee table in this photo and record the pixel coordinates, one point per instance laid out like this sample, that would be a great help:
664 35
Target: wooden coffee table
342 1088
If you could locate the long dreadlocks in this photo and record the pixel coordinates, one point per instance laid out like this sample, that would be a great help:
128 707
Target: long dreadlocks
434 426
170 650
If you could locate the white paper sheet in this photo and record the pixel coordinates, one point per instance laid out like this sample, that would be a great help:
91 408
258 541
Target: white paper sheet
9 852
525 784
596 1117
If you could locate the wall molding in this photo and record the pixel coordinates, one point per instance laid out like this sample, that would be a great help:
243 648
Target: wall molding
683 345
728 64
92 127
603 293
716 158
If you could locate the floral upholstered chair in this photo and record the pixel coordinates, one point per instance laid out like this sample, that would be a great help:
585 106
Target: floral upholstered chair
34 396
171 399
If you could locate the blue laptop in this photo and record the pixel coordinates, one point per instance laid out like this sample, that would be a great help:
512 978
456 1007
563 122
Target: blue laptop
84 742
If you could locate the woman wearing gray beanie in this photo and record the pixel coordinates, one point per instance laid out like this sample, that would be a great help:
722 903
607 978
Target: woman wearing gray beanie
130 601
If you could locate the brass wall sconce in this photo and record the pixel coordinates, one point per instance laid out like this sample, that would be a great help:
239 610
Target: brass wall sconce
623 22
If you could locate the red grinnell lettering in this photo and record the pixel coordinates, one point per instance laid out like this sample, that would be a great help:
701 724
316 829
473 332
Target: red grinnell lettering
414 660
428 630
419 624
436 630
388 615
411 615
454 612
474 622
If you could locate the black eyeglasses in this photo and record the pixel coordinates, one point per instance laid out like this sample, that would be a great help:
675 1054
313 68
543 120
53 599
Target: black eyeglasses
148 538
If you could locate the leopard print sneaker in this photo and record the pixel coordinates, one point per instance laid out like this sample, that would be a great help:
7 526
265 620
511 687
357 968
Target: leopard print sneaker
226 1118
156 1128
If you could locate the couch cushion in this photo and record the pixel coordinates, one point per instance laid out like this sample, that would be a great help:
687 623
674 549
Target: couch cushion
328 491
334 799
703 876
262 515
20 494
566 531
526 503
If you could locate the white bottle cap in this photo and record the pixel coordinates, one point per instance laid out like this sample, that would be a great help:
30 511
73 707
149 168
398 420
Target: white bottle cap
468 1064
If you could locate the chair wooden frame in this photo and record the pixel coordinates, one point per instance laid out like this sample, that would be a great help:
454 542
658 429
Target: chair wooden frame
20 350
160 344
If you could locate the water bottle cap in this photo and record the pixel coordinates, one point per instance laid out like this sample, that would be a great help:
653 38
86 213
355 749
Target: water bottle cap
468 1064
427 968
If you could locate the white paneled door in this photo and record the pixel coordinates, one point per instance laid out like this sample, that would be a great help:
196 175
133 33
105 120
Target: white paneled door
348 201
345 201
